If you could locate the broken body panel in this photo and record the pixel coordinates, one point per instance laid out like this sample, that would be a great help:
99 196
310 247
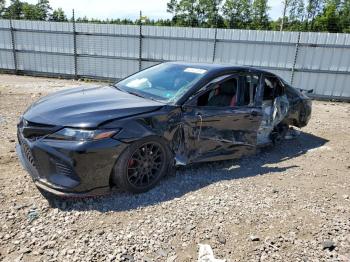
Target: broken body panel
193 131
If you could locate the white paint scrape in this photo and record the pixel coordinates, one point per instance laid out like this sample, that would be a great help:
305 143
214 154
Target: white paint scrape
206 254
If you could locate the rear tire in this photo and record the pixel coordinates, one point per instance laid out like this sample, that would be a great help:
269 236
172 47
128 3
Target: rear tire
140 167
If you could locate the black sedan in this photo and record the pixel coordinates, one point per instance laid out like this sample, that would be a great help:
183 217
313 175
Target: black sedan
85 141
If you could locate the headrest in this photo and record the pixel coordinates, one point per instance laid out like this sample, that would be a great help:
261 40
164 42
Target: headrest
229 87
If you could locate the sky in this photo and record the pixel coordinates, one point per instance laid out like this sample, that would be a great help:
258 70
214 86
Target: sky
153 9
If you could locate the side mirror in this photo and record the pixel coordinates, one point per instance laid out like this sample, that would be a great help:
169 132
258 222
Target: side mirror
184 108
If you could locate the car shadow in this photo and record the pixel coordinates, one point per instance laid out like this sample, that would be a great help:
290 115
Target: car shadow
197 176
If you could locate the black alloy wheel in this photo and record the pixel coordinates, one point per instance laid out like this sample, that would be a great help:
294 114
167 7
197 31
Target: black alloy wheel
145 165
141 165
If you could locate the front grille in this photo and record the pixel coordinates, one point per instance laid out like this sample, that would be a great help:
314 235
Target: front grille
63 169
27 153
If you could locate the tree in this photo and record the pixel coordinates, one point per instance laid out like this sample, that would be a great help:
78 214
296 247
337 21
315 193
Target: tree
2 7
30 12
293 13
43 9
183 12
58 15
260 17
314 7
286 4
14 11
194 12
210 12
297 10
329 20
237 13
344 16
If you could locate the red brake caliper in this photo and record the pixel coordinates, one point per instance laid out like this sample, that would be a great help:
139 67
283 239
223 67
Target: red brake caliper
131 162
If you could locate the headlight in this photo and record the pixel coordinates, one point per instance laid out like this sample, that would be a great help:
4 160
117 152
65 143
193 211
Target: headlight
81 134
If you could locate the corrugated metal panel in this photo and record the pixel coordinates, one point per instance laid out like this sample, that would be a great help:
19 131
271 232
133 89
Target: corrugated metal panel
323 58
108 46
255 35
47 63
262 55
4 23
177 50
107 29
169 43
6 60
178 32
324 84
105 67
5 39
42 25
47 42
258 51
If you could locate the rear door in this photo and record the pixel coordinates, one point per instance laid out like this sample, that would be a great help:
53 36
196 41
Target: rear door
223 130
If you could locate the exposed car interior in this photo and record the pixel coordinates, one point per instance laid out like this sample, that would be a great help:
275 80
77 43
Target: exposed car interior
274 106
223 94
237 91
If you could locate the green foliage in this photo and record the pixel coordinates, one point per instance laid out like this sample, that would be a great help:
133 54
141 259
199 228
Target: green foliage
44 9
200 13
15 10
23 10
30 12
2 7
344 16
237 14
260 17
58 15
297 15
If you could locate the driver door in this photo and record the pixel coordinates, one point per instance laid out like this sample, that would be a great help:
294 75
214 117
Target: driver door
220 127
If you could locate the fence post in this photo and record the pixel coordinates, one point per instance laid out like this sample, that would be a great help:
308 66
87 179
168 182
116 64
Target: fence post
215 41
295 58
75 49
13 47
140 42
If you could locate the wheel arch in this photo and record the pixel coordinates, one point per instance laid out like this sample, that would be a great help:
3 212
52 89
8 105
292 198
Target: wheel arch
150 137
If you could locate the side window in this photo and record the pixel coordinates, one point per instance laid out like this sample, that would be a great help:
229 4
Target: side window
221 95
249 87
273 87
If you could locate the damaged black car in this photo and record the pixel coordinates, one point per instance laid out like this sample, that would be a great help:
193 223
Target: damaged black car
86 141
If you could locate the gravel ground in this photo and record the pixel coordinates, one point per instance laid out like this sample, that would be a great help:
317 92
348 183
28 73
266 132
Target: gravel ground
291 202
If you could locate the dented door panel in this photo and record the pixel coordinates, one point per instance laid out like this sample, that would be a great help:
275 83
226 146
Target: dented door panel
221 133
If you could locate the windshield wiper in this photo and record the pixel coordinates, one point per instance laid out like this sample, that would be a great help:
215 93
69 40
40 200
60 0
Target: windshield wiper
134 93
116 87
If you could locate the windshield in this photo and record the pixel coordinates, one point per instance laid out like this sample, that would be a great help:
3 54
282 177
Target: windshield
164 82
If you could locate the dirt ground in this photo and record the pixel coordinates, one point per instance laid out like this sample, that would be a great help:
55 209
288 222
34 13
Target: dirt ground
290 202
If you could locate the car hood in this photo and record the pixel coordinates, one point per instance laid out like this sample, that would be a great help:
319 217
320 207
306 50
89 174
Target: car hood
87 107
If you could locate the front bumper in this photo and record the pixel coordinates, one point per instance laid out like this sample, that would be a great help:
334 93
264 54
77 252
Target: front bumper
70 168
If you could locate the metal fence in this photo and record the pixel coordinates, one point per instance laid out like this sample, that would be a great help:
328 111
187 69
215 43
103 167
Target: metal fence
319 61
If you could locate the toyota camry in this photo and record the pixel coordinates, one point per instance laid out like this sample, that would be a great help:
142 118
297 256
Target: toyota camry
86 141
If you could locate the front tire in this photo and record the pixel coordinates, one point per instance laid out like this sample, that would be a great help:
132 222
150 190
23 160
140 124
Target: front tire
140 167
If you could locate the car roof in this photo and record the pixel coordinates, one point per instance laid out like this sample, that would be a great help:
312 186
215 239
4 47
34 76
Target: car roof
217 68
